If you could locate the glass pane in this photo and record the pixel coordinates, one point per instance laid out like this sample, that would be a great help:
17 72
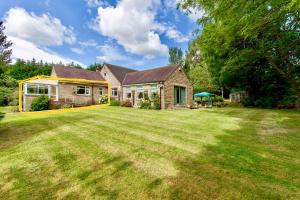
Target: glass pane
31 89
80 90
182 95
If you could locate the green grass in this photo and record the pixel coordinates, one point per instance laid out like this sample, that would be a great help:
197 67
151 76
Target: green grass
120 153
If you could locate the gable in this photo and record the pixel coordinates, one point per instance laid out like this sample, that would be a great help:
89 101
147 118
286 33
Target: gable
109 76
118 72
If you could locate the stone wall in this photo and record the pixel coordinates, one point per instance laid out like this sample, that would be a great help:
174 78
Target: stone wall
178 78
67 95
114 83
146 87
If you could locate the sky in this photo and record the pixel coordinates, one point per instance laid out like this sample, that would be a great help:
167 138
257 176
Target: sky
131 33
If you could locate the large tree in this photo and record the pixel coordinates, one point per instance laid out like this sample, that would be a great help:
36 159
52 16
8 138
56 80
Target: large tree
5 44
175 56
243 38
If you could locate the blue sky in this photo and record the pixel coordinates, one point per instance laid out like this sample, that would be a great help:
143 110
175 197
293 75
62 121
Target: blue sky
132 33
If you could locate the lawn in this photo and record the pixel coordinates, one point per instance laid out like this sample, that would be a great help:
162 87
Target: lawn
123 153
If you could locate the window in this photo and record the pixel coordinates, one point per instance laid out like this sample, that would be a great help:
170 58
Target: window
140 92
37 89
179 95
104 74
114 92
128 92
83 90
101 91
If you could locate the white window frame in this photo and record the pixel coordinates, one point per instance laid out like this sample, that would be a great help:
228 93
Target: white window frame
101 91
114 90
37 89
87 90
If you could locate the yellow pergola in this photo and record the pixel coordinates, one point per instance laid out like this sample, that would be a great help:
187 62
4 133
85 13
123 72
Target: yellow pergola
69 80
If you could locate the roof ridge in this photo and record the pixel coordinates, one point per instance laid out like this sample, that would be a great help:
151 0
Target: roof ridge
119 66
156 68
86 70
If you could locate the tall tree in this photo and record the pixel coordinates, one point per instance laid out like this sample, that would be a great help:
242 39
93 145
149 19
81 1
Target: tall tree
243 36
5 44
175 56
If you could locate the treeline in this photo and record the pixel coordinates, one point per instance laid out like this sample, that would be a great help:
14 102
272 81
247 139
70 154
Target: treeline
11 74
250 46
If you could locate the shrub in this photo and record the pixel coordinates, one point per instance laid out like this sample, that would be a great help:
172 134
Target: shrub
155 101
247 102
126 103
114 102
265 102
103 99
145 104
219 99
40 103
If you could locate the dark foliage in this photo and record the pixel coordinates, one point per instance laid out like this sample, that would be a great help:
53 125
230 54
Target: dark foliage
40 103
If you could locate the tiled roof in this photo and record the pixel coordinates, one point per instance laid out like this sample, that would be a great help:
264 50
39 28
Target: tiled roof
119 71
150 75
71 72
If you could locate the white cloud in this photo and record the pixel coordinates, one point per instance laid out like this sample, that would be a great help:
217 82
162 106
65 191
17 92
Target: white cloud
132 24
43 30
77 50
110 53
89 43
96 3
27 50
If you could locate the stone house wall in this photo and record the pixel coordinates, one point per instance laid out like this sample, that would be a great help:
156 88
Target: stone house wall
67 95
146 87
178 78
114 83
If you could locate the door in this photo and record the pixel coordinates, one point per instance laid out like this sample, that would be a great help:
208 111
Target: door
179 95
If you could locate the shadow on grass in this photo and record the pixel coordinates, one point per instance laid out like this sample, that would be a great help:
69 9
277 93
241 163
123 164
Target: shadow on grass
15 132
2 115
243 165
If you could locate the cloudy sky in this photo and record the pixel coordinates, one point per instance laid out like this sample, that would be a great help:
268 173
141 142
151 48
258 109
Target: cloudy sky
133 33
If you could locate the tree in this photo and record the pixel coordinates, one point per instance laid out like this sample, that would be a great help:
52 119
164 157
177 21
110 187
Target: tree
198 72
94 66
5 52
251 39
176 56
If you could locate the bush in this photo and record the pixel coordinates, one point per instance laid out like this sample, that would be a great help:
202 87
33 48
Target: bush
248 102
126 103
145 104
40 103
155 101
103 99
114 102
265 102
219 99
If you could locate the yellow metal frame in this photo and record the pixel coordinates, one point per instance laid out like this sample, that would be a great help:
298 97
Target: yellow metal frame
70 80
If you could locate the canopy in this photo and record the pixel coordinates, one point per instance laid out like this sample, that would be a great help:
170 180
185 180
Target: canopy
203 94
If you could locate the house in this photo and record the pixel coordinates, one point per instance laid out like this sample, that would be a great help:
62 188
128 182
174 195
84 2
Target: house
169 82
67 86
